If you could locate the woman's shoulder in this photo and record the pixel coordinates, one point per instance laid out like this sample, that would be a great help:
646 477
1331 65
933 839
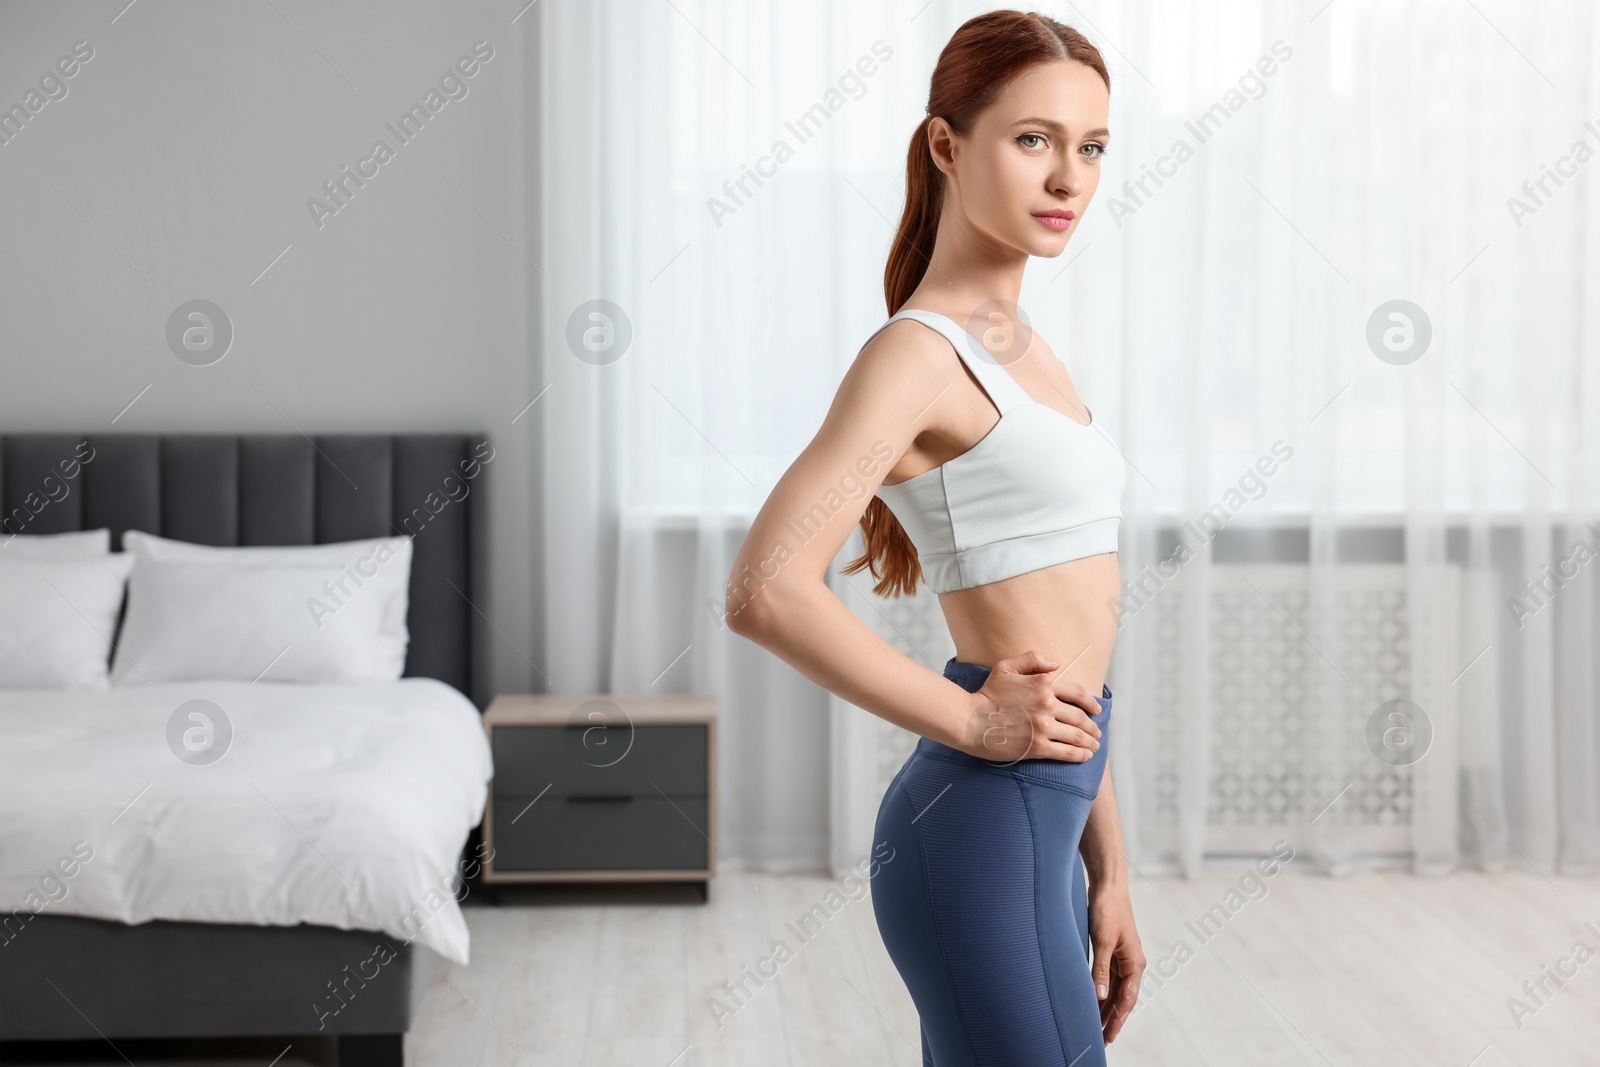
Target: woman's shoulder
907 348
899 371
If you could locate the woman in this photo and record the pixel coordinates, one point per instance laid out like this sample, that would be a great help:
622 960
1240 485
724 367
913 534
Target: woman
995 485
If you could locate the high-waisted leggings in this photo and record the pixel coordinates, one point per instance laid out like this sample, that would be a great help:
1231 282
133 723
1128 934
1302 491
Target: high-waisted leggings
984 909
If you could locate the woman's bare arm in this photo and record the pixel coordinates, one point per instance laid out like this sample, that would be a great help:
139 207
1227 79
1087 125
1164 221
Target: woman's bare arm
1101 845
777 596
1119 960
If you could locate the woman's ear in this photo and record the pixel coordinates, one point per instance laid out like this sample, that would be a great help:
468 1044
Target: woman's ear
942 144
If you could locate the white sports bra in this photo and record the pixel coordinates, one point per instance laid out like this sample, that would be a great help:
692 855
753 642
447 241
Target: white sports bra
1037 490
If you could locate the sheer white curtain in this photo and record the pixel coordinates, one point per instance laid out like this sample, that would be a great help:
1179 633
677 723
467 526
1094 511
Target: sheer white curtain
1440 451
715 172
1334 500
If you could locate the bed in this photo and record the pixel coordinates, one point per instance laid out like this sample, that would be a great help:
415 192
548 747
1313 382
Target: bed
303 883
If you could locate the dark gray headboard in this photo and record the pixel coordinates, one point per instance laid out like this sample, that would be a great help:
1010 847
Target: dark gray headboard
284 489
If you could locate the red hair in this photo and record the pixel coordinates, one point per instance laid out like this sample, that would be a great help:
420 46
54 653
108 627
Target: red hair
981 59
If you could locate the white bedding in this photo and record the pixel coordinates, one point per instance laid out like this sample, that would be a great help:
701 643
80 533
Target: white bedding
340 804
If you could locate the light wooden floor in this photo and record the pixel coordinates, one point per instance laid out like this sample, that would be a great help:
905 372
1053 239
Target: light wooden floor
1372 969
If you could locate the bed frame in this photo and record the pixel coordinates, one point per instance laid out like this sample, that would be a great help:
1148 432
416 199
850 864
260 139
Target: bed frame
72 978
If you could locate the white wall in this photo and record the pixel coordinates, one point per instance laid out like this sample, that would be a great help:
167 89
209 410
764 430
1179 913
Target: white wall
178 165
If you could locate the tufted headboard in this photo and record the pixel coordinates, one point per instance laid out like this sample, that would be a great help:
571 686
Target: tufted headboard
284 489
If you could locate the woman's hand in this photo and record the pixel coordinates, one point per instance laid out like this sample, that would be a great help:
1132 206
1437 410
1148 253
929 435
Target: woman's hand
1118 957
1024 712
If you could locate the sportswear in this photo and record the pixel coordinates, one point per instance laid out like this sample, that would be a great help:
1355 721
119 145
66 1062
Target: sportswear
984 909
1038 489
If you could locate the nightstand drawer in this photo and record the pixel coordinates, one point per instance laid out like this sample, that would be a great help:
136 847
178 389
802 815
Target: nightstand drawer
600 834
600 761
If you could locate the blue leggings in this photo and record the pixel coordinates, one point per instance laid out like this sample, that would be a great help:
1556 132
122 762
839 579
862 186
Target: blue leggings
984 910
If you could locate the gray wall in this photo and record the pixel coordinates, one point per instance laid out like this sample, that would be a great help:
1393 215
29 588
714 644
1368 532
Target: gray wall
178 165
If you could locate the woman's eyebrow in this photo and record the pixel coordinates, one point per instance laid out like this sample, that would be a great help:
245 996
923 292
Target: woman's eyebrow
1055 127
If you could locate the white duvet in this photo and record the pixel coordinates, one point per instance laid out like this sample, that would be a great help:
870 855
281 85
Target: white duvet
342 805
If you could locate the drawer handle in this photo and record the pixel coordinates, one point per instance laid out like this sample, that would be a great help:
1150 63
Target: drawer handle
605 799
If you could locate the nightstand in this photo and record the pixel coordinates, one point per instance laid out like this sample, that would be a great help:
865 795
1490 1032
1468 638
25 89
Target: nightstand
601 788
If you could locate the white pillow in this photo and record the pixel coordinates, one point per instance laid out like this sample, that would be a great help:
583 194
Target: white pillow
57 618
270 621
78 544
381 566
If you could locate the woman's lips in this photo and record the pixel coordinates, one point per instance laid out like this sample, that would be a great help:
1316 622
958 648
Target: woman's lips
1054 220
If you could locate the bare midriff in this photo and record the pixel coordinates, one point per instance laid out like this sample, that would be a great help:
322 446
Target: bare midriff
1066 612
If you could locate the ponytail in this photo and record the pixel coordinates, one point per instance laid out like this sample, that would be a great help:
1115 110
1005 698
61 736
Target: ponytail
890 554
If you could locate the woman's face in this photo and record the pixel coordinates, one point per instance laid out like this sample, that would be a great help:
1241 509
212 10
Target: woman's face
1034 151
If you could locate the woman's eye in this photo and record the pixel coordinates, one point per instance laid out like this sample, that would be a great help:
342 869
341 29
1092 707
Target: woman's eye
1030 136
1099 149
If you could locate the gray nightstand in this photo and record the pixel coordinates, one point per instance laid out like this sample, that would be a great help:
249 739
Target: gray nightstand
601 788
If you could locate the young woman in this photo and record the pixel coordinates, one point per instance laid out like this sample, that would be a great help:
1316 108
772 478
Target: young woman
995 484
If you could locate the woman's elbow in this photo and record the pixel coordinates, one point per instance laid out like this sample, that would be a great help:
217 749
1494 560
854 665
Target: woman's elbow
745 602
742 615
751 607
